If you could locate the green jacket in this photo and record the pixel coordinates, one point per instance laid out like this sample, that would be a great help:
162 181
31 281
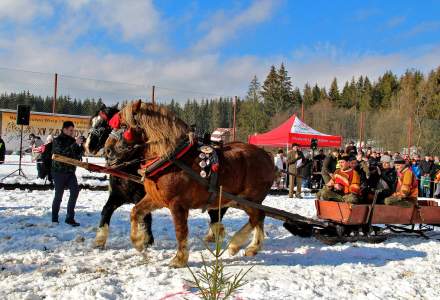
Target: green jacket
65 145
292 158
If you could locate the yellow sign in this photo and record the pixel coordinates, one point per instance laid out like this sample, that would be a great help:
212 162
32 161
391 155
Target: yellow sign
41 125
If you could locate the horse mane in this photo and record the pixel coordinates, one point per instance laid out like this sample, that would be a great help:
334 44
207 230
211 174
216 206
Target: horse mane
162 127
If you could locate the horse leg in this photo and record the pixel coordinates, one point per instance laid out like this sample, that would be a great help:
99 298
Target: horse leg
106 214
180 219
239 239
148 221
215 226
139 235
256 219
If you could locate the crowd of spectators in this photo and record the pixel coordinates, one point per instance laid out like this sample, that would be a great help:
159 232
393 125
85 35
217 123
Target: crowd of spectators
313 169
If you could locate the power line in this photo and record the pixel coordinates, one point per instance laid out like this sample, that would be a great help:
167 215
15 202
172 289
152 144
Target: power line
120 82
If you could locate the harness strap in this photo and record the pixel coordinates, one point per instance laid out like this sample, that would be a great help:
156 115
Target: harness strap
158 164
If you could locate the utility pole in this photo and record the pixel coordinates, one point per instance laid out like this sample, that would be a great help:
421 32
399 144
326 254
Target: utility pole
55 94
234 106
153 100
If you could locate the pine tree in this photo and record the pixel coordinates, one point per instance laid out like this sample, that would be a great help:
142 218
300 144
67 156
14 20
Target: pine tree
307 95
251 117
296 98
285 88
316 94
334 92
271 92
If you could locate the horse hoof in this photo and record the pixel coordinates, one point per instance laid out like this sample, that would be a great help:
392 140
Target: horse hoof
214 230
250 252
233 250
177 262
101 237
150 241
99 246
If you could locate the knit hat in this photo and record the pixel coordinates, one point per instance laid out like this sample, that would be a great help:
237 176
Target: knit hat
399 160
385 159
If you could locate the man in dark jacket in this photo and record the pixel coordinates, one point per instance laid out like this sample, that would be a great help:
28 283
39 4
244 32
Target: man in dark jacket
2 150
64 174
428 172
329 165
295 159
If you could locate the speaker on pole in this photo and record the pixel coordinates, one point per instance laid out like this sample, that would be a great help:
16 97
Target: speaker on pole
23 114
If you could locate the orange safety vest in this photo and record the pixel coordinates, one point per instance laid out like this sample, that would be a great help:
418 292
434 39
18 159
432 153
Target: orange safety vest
407 185
349 179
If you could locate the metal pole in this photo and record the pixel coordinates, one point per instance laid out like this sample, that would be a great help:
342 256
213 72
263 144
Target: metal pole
302 111
409 135
234 105
21 150
55 93
360 130
363 127
153 100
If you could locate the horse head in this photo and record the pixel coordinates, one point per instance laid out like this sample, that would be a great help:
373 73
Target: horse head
159 128
100 128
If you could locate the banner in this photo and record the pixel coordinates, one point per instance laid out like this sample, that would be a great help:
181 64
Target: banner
40 124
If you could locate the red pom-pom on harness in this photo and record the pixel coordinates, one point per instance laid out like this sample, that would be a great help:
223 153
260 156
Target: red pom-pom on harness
114 122
103 115
128 135
214 168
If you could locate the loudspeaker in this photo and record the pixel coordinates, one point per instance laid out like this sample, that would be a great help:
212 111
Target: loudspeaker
23 114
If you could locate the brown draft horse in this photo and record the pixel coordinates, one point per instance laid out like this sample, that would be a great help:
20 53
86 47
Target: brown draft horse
245 170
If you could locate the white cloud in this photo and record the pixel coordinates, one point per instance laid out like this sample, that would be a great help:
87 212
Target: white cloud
224 26
22 11
182 77
134 18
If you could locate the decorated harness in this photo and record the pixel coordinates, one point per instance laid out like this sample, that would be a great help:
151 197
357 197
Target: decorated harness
207 159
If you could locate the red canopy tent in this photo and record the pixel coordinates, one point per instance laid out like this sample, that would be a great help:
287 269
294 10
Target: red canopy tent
294 131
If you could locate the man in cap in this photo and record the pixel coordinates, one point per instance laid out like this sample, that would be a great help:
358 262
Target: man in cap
344 185
295 159
388 179
407 186
351 149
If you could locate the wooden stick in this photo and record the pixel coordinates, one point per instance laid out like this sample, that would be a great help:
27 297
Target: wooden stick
97 168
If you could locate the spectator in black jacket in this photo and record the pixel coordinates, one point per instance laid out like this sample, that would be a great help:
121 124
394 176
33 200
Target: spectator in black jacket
305 171
46 158
2 150
64 174
329 165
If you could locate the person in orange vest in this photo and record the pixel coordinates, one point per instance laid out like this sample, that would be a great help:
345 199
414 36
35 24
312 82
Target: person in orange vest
407 186
344 185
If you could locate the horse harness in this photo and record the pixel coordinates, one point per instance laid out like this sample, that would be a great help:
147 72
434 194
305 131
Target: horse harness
208 163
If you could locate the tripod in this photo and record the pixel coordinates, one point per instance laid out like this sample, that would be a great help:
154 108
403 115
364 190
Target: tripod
19 170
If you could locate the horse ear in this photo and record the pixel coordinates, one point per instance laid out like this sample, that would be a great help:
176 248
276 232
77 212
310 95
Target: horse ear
116 105
103 106
136 105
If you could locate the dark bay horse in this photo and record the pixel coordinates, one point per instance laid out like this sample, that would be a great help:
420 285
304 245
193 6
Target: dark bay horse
121 191
244 170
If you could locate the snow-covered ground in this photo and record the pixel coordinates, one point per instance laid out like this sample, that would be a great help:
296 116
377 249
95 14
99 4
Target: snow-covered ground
40 260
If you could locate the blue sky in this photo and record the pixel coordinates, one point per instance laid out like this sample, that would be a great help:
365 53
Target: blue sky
204 48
